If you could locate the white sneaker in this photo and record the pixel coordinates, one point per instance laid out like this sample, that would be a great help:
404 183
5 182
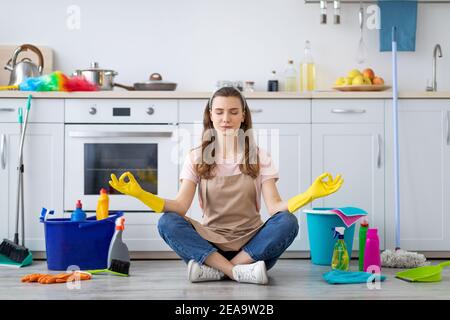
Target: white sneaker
251 273
198 273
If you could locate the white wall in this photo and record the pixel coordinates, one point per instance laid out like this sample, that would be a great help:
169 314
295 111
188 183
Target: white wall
196 42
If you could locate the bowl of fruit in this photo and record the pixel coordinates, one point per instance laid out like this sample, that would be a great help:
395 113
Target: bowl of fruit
357 80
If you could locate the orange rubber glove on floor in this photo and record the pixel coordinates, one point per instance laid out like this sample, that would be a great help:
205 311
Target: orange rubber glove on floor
319 188
132 188
44 278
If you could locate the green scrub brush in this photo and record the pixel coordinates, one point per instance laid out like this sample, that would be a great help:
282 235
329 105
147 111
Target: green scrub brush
118 254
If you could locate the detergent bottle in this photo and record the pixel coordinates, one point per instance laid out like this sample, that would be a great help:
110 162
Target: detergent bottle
340 260
362 242
372 256
102 211
78 215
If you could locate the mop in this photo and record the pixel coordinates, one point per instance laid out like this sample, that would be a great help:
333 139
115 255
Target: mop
398 258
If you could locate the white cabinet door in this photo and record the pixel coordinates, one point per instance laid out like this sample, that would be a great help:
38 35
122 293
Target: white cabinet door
7 165
290 149
424 161
43 177
355 151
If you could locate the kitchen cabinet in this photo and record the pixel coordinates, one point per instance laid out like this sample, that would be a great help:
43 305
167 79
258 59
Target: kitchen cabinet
43 178
43 166
424 162
348 139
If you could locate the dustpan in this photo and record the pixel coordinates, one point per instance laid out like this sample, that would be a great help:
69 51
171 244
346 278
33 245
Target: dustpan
6 262
423 274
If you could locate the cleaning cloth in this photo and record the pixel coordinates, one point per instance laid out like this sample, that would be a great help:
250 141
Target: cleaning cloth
403 15
347 277
349 215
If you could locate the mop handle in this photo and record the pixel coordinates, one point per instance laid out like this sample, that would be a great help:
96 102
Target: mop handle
396 148
22 137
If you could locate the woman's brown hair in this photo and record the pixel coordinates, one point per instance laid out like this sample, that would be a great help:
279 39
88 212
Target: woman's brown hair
250 165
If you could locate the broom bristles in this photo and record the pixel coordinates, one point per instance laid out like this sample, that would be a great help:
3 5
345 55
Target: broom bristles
13 251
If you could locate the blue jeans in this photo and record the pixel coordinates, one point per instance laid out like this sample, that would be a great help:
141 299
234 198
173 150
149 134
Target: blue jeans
267 245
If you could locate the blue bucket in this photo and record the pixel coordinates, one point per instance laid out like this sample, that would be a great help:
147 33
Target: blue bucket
320 222
83 244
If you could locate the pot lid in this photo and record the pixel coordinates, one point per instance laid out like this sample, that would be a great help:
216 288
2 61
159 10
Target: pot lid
155 78
95 67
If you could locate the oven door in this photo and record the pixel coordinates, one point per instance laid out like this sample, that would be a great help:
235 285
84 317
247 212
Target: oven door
93 152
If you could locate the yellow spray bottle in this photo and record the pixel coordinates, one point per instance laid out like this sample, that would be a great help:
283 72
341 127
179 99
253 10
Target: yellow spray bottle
102 211
340 260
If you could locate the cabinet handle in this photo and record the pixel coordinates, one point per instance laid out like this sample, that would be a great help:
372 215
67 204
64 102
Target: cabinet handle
448 127
120 134
7 109
3 150
348 110
256 110
379 151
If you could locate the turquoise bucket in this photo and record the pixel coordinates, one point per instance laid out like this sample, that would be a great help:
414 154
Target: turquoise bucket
320 223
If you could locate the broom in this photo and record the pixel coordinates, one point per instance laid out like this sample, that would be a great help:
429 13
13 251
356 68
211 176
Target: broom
398 258
11 253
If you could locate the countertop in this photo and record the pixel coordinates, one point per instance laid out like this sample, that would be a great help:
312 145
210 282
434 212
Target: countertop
122 94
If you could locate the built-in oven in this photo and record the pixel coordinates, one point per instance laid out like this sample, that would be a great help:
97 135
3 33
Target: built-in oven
105 137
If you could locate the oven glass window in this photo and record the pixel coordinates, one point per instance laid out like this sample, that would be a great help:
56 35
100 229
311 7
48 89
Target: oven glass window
102 159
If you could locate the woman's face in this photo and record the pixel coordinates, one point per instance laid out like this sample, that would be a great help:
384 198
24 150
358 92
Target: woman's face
227 114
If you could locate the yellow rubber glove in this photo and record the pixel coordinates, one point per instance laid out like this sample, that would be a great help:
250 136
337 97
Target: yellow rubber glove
132 188
318 189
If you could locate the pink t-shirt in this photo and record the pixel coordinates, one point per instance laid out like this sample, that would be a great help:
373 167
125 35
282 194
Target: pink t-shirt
230 167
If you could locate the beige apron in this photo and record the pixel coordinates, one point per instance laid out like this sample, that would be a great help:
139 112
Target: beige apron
230 218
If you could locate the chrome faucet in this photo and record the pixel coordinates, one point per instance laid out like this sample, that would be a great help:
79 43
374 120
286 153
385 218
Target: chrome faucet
437 51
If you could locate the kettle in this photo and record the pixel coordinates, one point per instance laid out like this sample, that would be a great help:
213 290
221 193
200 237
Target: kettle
25 68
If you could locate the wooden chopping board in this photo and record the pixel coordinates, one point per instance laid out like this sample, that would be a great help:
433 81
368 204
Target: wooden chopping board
6 53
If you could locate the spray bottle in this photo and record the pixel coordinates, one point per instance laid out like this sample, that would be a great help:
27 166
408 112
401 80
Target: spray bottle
340 260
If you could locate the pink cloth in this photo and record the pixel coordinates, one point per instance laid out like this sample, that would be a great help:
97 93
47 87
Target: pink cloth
229 167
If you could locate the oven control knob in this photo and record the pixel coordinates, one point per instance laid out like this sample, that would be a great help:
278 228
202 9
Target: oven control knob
92 110
150 110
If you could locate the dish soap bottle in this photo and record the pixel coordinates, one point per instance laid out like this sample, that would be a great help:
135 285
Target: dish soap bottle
102 211
362 242
340 258
290 77
78 215
307 70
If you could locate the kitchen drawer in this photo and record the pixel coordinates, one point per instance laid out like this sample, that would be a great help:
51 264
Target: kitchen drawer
127 110
347 111
42 110
263 110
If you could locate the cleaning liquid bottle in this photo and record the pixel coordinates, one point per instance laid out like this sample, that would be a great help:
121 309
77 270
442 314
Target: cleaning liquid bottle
78 215
290 77
340 260
362 242
102 211
372 250
307 70
118 250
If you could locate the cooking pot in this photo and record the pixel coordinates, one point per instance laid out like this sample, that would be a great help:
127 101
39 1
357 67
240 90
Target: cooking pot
25 68
155 83
102 78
